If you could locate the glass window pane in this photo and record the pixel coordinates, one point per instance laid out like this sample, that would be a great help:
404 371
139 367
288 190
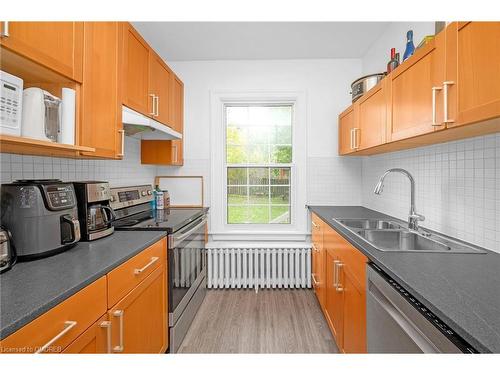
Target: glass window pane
258 214
281 154
280 195
282 135
259 135
236 155
237 214
280 176
259 195
236 135
280 214
237 176
258 154
258 176
237 194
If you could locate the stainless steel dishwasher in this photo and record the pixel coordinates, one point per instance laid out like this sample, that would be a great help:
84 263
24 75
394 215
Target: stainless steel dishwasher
398 323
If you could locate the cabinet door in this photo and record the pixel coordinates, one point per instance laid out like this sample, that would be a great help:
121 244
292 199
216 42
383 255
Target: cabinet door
101 105
139 319
318 260
136 72
177 104
371 109
347 131
56 45
160 87
473 71
354 314
95 340
334 299
411 92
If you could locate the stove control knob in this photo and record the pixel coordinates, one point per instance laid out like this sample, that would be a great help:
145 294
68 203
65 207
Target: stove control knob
150 192
143 193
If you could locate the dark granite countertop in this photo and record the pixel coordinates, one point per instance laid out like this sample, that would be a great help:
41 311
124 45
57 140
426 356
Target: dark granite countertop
461 289
32 288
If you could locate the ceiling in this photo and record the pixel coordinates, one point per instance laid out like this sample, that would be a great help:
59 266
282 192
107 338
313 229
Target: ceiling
260 40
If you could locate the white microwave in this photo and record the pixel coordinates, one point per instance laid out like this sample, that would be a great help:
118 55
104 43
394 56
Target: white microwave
11 103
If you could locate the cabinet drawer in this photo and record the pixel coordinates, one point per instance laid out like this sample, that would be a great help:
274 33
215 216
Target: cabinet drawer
62 324
126 277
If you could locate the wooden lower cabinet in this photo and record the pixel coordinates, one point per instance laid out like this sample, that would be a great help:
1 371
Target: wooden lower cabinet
354 315
95 340
83 323
318 256
139 319
345 286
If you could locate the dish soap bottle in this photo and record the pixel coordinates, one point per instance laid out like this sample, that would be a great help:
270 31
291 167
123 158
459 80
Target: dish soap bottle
158 198
410 47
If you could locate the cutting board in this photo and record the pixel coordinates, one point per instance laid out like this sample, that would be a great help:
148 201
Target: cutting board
185 191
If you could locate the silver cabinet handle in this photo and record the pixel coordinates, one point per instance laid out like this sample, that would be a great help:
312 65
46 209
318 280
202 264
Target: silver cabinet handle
445 100
157 99
315 248
338 286
315 225
122 133
138 271
435 89
352 145
153 112
335 273
315 282
119 314
107 325
5 30
355 138
68 326
175 154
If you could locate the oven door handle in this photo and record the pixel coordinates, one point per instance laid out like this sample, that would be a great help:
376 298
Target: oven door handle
175 239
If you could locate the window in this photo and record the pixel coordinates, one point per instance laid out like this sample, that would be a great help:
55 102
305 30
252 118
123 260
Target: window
258 163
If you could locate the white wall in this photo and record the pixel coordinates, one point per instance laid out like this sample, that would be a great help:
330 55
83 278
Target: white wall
376 58
332 180
458 187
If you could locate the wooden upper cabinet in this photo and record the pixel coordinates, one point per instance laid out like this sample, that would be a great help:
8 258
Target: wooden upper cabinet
473 71
101 111
160 88
140 318
371 117
347 131
177 104
56 45
411 92
318 260
136 72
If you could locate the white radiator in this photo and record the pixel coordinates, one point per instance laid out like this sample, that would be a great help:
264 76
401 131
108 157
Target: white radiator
259 268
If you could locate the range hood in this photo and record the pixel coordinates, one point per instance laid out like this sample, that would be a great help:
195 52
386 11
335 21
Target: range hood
139 126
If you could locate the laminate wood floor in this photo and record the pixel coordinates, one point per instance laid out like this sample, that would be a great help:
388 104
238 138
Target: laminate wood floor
270 321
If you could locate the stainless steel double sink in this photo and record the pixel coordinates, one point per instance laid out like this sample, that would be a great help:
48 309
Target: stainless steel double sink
390 235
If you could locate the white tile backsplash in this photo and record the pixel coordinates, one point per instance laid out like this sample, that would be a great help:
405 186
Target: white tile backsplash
334 181
457 187
128 171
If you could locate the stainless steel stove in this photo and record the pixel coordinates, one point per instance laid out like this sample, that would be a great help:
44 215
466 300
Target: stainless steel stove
185 228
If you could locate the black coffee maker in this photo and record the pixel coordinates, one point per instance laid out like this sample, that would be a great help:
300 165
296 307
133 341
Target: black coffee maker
95 215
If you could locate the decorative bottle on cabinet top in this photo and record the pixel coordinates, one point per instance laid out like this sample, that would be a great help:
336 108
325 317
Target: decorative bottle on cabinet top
393 62
410 47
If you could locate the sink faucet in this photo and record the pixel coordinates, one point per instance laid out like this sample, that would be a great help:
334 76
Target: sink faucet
413 217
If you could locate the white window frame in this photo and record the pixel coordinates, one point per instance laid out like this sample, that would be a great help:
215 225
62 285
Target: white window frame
297 229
